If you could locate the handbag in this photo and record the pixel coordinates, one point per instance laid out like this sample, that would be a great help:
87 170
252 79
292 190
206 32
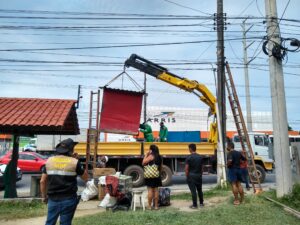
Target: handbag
151 171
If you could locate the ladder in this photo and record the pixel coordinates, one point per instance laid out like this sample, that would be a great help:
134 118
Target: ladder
242 131
93 130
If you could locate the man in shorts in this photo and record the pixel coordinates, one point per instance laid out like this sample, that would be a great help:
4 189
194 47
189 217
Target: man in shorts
234 172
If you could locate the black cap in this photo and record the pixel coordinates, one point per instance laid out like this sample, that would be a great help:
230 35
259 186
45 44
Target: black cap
66 145
161 123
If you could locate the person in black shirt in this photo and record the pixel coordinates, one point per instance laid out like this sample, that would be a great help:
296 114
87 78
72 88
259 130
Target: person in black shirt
193 172
234 172
59 178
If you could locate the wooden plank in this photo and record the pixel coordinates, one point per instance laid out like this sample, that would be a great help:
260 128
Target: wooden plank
285 207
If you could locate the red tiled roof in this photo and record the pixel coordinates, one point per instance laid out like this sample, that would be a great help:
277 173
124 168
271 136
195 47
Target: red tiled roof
38 116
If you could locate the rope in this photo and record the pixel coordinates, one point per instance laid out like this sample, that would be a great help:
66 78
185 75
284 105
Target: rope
137 86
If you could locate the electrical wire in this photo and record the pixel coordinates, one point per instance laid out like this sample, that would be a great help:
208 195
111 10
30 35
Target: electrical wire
49 85
186 7
258 9
124 46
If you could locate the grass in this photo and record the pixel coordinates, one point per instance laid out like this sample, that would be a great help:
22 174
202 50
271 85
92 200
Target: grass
292 200
18 210
255 210
214 192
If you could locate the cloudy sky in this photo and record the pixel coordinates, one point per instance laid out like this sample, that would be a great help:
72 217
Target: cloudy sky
48 48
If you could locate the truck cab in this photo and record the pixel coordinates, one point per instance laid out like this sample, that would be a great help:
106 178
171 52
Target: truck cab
292 139
31 146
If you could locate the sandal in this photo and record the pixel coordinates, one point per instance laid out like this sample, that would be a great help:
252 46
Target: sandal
236 202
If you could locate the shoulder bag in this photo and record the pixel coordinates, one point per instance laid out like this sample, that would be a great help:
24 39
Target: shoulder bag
151 171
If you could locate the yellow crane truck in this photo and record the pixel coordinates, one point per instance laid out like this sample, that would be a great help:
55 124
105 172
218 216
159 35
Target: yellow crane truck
127 156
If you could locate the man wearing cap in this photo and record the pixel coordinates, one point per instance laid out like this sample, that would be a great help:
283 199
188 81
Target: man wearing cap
59 178
163 132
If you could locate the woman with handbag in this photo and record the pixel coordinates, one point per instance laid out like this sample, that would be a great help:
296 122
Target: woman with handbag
152 163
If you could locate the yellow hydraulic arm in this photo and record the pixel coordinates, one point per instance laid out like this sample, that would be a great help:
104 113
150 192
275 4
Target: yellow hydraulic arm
192 86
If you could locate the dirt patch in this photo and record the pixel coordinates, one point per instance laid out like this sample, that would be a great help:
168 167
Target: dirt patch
183 205
83 209
91 207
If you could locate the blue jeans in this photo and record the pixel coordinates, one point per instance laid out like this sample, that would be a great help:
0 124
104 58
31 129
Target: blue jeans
63 208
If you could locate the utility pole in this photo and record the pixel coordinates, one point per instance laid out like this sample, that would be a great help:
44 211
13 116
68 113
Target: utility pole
247 89
145 98
78 96
221 70
280 125
221 100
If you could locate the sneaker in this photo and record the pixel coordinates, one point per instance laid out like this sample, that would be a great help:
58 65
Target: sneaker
201 205
193 207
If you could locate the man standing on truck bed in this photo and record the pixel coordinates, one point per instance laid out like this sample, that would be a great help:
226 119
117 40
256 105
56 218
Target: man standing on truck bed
59 179
147 130
163 132
193 172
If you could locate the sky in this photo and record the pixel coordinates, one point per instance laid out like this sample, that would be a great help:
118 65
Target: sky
48 48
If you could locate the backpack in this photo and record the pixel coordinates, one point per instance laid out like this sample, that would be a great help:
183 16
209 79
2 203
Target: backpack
164 197
123 203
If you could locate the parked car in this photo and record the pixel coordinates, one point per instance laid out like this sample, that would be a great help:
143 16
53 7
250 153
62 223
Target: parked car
30 148
2 169
28 161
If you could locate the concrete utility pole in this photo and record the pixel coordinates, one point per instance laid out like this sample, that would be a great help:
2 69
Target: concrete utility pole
221 100
280 125
247 89
221 70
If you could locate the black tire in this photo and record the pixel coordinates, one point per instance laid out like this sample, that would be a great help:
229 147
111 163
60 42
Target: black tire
42 168
166 176
137 174
261 173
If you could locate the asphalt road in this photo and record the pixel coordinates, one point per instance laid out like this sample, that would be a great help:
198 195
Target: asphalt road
179 183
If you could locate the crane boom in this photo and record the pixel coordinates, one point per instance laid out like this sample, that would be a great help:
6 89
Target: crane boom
191 86
163 74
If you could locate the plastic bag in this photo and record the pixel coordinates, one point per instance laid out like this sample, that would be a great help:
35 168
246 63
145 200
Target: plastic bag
90 191
108 201
102 180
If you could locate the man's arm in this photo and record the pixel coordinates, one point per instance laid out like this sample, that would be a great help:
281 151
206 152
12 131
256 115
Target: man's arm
187 167
164 134
85 176
148 158
43 187
243 155
187 170
229 159
82 172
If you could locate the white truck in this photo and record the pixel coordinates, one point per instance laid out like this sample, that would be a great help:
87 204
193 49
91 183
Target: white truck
262 150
